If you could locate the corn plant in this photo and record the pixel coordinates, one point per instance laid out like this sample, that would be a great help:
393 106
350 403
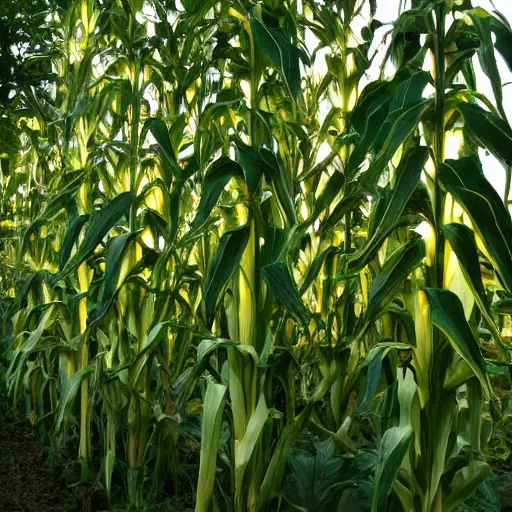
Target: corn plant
230 226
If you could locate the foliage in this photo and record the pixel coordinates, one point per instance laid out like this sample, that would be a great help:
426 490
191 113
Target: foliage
221 240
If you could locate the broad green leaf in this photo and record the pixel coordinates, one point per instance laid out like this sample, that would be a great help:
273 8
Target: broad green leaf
347 204
252 164
244 447
213 407
448 316
466 183
503 41
275 239
284 55
279 280
488 130
116 270
398 133
391 278
315 267
215 180
275 174
223 265
275 470
393 448
462 241
69 395
482 22
407 178
154 337
380 112
372 382
72 232
409 92
465 481
462 57
100 223
163 148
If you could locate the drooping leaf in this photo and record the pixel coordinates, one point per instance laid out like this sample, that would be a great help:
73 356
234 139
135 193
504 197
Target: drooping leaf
278 278
482 22
223 265
116 269
100 223
488 130
472 191
72 232
284 55
462 241
407 178
164 148
398 133
275 174
448 316
252 164
391 278
215 180
73 385
314 269
244 448
155 336
503 41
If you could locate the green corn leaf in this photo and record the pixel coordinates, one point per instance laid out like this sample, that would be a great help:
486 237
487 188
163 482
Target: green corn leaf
391 278
163 148
408 176
275 174
100 223
70 238
315 267
347 204
462 241
372 381
462 57
375 106
482 22
393 448
275 239
282 54
488 130
489 217
274 473
448 316
503 41
275 470
398 133
244 448
380 112
69 395
213 407
465 481
223 265
252 164
154 337
279 280
113 276
215 180
409 92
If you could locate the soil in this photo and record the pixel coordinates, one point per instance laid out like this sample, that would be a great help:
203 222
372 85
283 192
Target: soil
30 483
27 483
